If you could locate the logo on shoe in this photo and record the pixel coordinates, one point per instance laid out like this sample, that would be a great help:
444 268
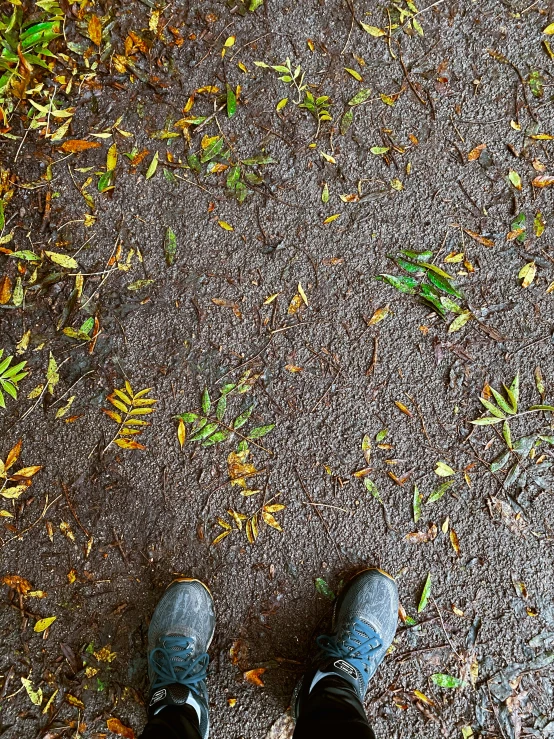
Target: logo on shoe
158 696
340 664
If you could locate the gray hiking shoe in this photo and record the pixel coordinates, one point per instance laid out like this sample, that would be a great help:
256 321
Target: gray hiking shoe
179 636
364 623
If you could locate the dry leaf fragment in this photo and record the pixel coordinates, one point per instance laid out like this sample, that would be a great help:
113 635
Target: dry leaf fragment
295 304
73 146
454 541
422 537
480 239
475 153
116 727
95 29
379 315
543 180
254 677
403 408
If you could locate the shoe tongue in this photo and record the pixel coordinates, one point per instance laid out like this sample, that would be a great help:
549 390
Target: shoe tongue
339 668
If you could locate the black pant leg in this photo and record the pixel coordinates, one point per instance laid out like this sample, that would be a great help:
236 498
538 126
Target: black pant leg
173 722
333 710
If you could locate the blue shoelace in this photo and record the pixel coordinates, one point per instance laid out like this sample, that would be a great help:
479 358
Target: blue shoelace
357 643
174 663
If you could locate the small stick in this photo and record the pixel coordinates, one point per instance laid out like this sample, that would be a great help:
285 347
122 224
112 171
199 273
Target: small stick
316 509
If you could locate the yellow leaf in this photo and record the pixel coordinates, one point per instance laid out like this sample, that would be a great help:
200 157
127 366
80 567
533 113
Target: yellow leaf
271 298
181 432
43 624
549 30
34 695
379 315
271 521
220 537
403 408
373 30
527 274
332 218
226 226
62 259
281 104
356 75
302 293
95 29
328 157
111 160
73 701
295 304
14 492
13 454
128 444
422 697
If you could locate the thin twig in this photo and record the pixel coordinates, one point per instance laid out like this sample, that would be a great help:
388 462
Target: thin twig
316 509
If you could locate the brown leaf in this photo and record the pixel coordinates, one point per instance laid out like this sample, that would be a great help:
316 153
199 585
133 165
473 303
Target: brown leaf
13 456
16 582
480 239
5 289
543 180
474 154
129 444
116 727
95 29
254 677
400 480
403 408
422 537
454 541
74 146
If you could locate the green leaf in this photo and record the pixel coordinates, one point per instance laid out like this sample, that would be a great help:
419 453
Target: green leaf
500 462
417 504
216 438
212 150
512 475
322 588
492 408
506 433
231 101
541 408
440 491
410 267
151 171
486 421
443 284
243 418
447 681
372 488
502 403
227 388
25 254
204 432
346 121
105 182
428 294
188 417
425 594
206 402
170 246
221 407
460 321
360 97
382 435
401 282
513 392
255 4
260 431
418 256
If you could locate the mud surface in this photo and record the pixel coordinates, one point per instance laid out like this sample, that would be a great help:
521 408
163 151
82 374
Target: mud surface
153 514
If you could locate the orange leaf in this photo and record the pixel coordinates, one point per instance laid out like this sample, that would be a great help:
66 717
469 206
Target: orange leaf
254 677
16 582
476 153
129 444
403 408
116 727
481 239
5 289
75 145
95 30
543 180
13 456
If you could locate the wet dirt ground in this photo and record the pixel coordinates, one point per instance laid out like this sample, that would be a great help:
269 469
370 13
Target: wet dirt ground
326 377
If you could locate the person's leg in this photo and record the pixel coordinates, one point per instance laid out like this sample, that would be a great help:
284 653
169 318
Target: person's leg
328 701
174 722
179 636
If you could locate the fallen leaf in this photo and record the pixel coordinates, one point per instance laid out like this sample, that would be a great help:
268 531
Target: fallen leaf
480 239
116 727
527 274
254 677
475 153
379 315
74 146
403 408
43 624
95 29
543 180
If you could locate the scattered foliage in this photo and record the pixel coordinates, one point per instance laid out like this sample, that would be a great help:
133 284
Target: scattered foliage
129 406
